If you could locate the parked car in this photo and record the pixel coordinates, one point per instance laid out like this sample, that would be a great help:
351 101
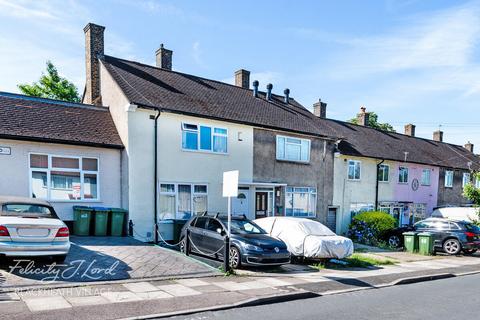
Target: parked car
30 227
249 244
394 237
451 236
456 213
307 238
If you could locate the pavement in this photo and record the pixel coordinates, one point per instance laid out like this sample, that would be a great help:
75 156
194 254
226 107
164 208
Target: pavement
147 298
454 298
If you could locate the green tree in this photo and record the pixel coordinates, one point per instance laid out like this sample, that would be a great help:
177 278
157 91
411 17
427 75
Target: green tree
472 193
373 122
52 85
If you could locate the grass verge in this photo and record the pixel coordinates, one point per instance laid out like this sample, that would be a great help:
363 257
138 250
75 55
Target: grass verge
356 260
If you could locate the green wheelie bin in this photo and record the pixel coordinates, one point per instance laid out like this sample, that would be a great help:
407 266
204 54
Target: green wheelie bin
410 241
117 219
101 220
425 243
81 223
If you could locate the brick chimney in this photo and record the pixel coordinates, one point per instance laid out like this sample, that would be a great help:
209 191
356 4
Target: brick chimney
410 130
320 109
469 146
164 58
94 48
438 135
242 78
363 117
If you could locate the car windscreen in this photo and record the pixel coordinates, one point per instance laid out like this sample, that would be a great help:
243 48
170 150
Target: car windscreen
27 210
243 227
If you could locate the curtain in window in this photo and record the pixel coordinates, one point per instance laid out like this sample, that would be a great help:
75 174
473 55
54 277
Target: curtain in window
184 201
167 206
90 186
199 204
305 150
280 148
65 185
219 143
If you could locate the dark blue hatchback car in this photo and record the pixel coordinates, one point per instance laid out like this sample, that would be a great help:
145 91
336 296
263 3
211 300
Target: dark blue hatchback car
249 244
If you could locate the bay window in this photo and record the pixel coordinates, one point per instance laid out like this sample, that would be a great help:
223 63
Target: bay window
63 178
204 138
182 200
293 149
300 202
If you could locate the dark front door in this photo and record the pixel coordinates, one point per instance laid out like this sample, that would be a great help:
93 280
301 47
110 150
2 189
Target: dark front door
261 204
332 219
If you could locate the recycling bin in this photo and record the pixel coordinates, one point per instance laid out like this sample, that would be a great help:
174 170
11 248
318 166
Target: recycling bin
425 243
101 220
410 241
117 219
81 220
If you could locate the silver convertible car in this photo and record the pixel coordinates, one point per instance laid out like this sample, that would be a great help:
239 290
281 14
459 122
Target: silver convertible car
30 227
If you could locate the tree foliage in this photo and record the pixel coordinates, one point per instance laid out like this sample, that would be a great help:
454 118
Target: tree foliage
373 122
52 85
473 194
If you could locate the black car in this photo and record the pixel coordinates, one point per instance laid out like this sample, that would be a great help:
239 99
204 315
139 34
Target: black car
451 236
249 244
394 237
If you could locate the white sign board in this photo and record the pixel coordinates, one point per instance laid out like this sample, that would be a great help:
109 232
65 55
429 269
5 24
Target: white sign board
5 150
230 183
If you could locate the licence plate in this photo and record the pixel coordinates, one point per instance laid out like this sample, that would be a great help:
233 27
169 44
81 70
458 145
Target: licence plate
33 232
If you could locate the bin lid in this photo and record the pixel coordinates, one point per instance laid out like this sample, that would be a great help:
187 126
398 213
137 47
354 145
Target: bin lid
83 208
410 233
425 234
118 210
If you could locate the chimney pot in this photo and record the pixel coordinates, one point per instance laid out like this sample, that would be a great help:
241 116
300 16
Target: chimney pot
255 88
287 95
469 146
94 49
363 117
320 109
242 78
269 91
410 130
438 136
163 58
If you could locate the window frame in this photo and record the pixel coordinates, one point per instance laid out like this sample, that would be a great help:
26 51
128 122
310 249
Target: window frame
447 173
359 170
175 194
310 191
429 178
50 168
464 183
399 174
285 158
384 165
199 137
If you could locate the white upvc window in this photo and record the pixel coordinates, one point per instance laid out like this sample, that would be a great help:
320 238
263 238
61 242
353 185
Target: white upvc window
64 178
426 177
204 138
354 169
402 175
449 178
293 149
466 179
182 200
300 202
383 173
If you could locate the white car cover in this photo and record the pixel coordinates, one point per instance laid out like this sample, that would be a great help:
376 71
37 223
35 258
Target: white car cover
307 238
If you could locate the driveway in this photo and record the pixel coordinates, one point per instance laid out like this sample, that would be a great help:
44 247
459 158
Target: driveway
103 259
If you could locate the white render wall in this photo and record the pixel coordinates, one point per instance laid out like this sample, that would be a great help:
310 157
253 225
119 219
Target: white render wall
15 176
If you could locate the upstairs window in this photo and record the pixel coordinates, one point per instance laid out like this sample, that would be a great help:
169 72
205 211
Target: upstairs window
293 149
466 179
449 179
204 138
354 170
403 175
383 173
426 177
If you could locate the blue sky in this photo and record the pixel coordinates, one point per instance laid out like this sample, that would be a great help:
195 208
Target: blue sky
409 61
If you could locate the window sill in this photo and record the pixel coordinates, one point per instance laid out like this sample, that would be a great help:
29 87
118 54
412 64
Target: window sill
354 180
294 161
404 183
75 201
206 152
384 181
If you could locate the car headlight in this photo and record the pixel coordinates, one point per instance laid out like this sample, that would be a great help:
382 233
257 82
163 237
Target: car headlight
251 247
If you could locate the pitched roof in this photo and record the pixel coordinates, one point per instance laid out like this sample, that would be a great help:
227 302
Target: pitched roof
172 91
37 119
374 143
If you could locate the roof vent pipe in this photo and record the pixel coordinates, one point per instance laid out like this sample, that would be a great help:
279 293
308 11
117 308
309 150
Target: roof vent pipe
287 95
269 91
255 88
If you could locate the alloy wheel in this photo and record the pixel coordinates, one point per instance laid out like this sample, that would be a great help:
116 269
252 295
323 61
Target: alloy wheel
394 241
452 246
234 258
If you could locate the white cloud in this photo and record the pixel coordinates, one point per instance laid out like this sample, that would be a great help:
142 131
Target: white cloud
197 54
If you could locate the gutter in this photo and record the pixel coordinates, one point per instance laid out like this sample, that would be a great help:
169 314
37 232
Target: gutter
155 174
376 184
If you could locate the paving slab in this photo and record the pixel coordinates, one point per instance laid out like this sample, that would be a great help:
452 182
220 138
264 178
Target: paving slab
178 290
87 301
47 303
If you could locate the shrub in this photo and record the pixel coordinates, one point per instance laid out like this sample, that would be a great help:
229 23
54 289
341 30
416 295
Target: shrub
369 227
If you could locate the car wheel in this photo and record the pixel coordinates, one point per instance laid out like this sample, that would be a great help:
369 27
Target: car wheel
394 241
452 247
234 258
59 259
469 251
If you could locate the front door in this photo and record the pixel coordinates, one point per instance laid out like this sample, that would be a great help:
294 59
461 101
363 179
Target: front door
240 203
261 204
332 219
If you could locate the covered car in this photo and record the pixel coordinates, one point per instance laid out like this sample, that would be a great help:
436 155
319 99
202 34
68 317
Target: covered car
307 238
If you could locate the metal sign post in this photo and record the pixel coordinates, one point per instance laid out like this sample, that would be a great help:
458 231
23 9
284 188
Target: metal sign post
230 189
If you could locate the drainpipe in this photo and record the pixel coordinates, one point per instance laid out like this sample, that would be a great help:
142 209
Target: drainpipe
376 186
155 170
